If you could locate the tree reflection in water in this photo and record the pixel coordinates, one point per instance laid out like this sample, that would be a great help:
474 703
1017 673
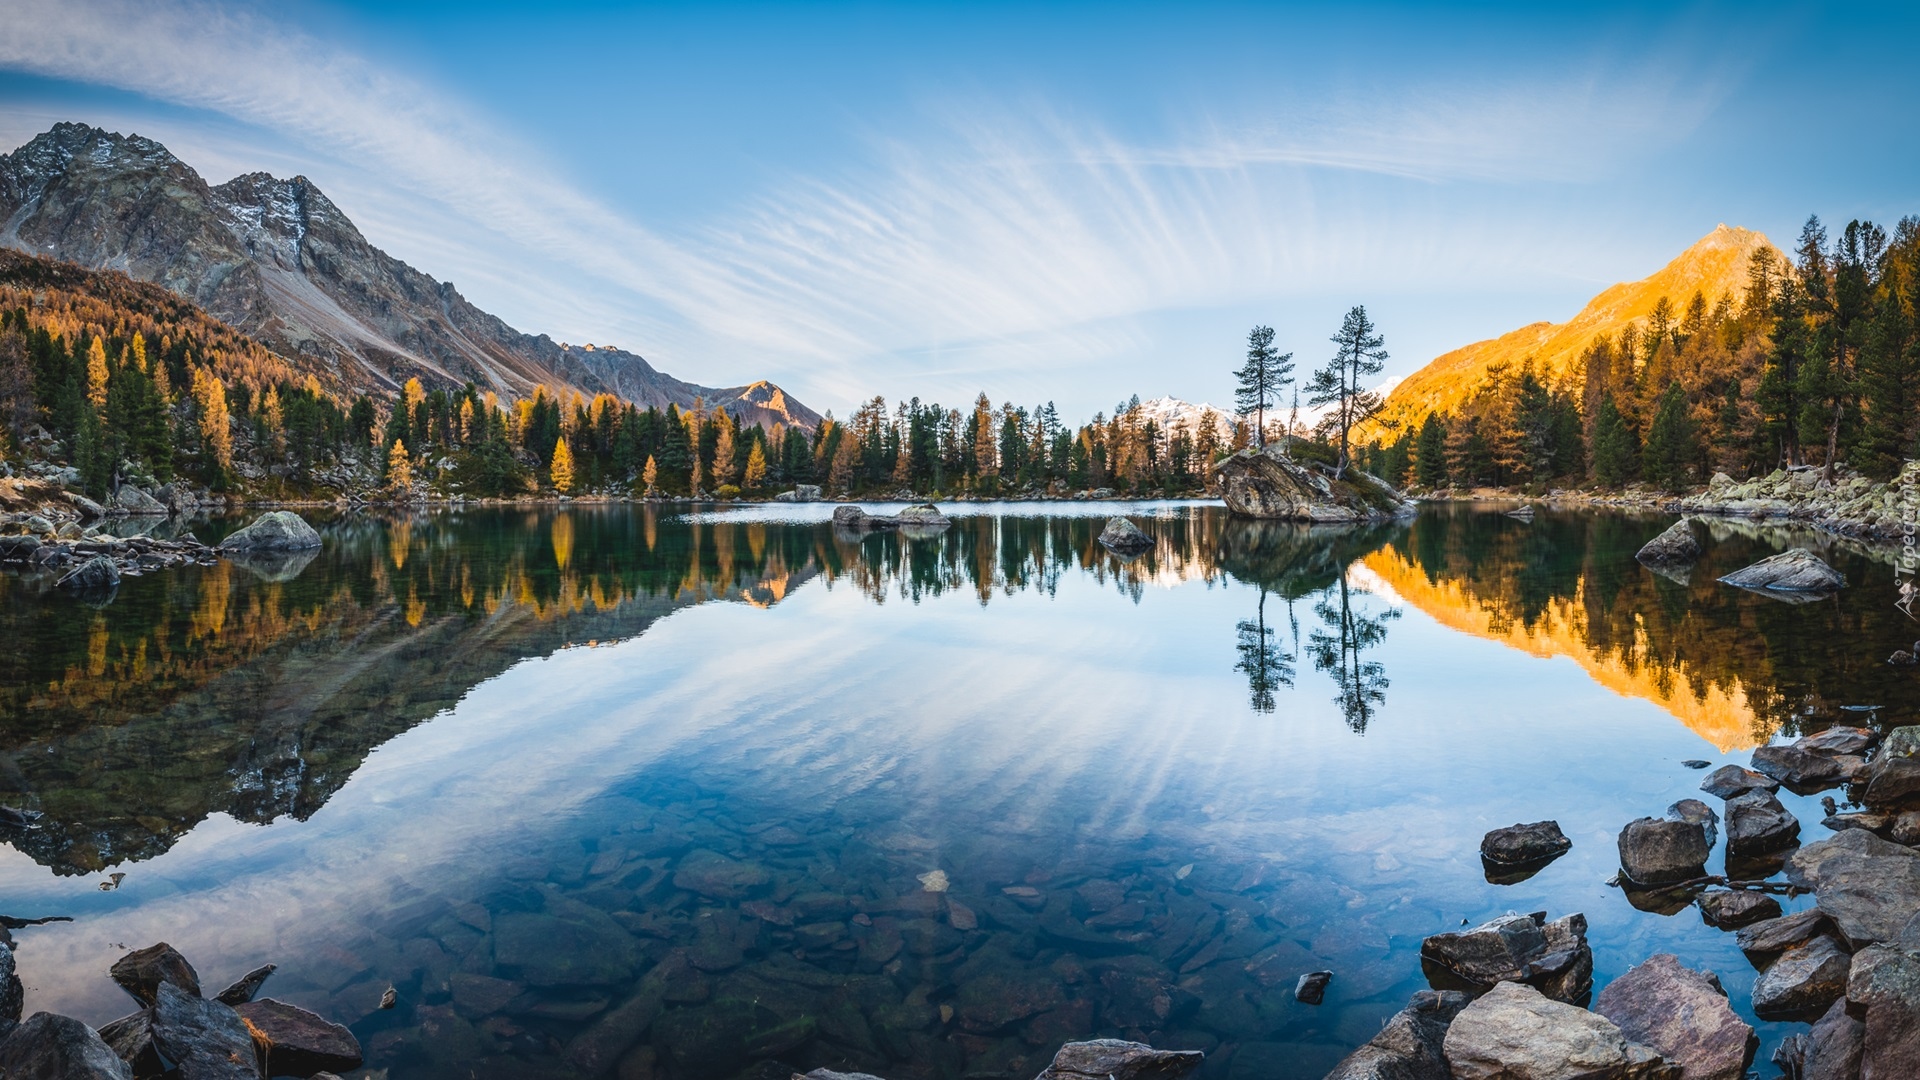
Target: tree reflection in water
1337 651
1266 667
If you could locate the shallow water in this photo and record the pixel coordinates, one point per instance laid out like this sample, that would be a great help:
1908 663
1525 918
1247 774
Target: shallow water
918 806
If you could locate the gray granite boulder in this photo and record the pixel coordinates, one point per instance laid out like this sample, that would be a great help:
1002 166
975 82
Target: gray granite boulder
205 1040
1525 845
1798 570
141 972
277 530
96 573
1663 851
1730 780
1124 536
1682 1013
1552 956
1885 981
52 1047
1117 1059
1868 886
1513 1032
1678 546
1757 823
1803 982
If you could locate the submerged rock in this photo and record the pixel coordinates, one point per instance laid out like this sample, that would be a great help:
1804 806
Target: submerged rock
1410 1046
1514 1031
277 530
1677 546
1268 484
52 1047
1798 570
1312 987
1122 535
1684 1015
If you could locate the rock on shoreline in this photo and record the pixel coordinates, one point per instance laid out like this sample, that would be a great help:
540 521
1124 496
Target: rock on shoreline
1268 484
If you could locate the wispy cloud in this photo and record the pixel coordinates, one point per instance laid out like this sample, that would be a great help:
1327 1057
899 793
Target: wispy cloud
996 238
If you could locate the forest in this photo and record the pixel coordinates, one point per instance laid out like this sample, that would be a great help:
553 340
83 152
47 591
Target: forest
1817 363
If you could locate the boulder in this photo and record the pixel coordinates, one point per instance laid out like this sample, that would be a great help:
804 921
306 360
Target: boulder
1525 845
1798 570
297 1042
18 548
1513 1032
131 500
1730 780
278 530
849 517
1885 981
204 1040
1678 546
1892 782
1804 769
924 515
1117 1059
141 972
1268 484
1832 1050
1122 535
722 877
98 572
12 993
1803 982
1902 742
1757 823
1553 956
1869 887
1311 989
50 1047
131 1039
1682 1013
1695 812
1410 1046
1728 909
1764 939
246 986
1656 851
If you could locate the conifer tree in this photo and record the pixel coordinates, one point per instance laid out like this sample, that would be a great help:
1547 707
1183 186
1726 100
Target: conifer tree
1259 380
97 373
650 475
1613 445
1671 446
562 468
399 469
756 473
1339 383
1430 453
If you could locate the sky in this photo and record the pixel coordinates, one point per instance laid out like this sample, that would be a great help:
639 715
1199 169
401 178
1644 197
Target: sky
1067 202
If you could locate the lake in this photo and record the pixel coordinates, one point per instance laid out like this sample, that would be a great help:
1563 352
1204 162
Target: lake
925 807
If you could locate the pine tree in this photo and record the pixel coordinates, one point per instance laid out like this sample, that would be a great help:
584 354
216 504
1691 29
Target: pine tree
562 468
1613 445
1671 443
1430 453
1259 380
1338 383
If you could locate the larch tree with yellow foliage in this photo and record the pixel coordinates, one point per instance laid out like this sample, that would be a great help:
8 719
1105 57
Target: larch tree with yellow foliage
399 469
650 475
210 394
97 373
723 467
562 471
756 473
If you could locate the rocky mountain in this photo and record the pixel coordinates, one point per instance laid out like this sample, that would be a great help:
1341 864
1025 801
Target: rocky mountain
1715 266
279 261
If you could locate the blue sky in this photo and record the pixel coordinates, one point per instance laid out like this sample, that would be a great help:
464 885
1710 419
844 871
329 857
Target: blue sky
1075 202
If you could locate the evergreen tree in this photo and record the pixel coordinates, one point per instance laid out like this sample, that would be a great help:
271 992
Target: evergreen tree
1671 442
1430 453
1614 450
1259 380
1339 383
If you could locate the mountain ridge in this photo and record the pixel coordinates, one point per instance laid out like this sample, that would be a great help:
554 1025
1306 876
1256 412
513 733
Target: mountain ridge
1715 265
279 261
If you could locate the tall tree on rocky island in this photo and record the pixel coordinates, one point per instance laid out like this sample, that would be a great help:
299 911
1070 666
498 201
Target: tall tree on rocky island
1338 383
1267 369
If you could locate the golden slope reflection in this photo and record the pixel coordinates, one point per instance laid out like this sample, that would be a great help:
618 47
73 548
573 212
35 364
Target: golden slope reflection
1716 709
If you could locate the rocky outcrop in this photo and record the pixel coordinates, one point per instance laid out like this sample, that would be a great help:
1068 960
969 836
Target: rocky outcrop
1410 1046
1851 505
1514 1032
277 530
98 572
1803 982
1869 887
132 501
923 516
1123 536
1684 1015
1678 546
1794 571
1117 1059
1270 485
1816 762
53 1047
800 493
297 1042
1885 981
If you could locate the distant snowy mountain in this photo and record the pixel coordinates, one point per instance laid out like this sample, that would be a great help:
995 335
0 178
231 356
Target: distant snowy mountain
1171 412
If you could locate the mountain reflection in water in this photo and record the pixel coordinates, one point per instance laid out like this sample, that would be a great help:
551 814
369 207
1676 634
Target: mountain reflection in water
466 753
